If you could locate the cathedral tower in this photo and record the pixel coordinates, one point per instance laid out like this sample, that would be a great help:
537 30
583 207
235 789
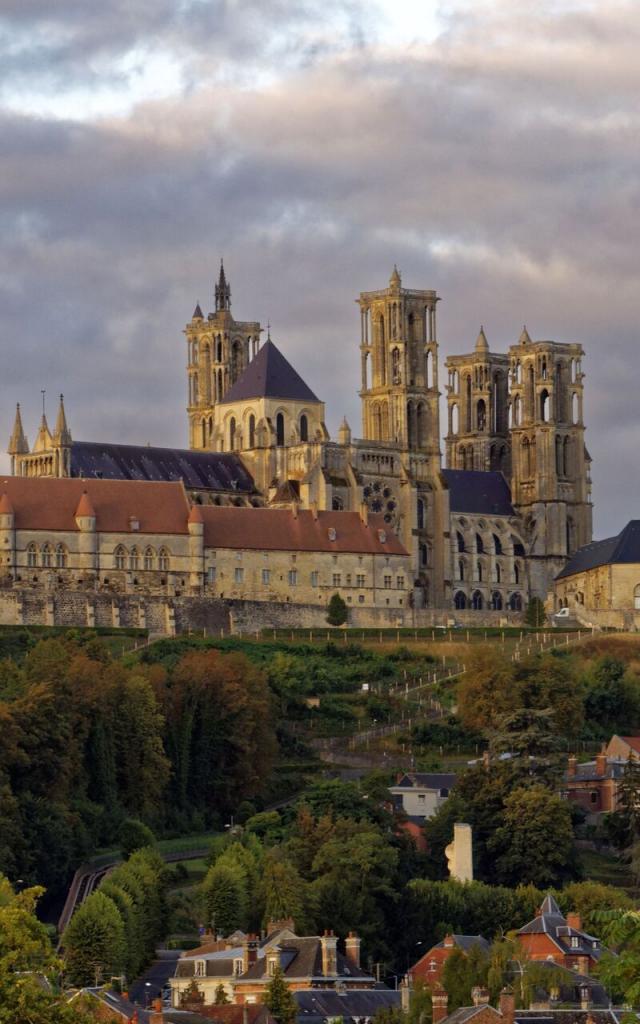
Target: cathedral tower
478 408
399 354
219 350
550 466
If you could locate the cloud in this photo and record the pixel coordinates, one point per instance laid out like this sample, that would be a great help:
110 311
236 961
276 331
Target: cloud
496 163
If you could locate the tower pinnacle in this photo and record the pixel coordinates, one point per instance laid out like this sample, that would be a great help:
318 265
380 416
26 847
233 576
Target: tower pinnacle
223 291
482 344
62 434
17 442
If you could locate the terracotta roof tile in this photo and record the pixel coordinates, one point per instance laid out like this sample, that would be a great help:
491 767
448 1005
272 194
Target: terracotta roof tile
6 508
275 529
85 508
44 503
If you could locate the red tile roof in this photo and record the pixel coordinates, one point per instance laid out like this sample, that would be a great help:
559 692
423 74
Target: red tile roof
6 508
633 742
275 529
85 508
46 503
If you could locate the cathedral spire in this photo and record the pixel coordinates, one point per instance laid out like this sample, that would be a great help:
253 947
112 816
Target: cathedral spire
524 338
395 280
62 434
482 344
223 291
17 442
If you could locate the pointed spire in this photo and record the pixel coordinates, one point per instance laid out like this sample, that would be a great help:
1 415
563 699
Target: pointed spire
6 508
62 434
18 443
44 440
395 280
85 509
482 344
223 291
344 432
524 338
197 313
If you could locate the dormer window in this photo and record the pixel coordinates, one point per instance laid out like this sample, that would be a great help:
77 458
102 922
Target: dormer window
200 969
331 533
237 967
134 523
382 536
575 942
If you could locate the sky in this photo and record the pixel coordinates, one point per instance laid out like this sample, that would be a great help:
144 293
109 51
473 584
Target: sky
489 148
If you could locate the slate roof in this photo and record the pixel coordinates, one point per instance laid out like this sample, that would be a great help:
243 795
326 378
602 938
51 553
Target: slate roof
623 549
215 471
466 942
277 529
587 772
551 1016
552 923
426 780
320 1005
301 957
269 375
478 493
465 1013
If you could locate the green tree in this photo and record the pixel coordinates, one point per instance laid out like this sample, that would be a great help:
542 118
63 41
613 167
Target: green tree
337 611
462 972
134 835
279 1000
534 843
226 897
221 997
535 614
628 809
94 941
283 891
620 971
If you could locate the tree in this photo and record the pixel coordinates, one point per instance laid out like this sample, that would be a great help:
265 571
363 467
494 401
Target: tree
462 972
221 997
279 1000
535 614
134 835
485 690
620 972
226 897
283 891
94 941
337 611
534 843
628 810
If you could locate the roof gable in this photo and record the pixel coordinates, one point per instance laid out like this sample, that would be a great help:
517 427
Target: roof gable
270 375
621 550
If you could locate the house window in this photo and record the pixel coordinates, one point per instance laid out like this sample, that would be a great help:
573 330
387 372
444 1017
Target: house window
348 583
148 558
237 966
266 576
272 965
387 583
45 557
119 558
433 965
239 575
61 557
337 579
163 560
32 556
315 579
575 942
200 969
133 559
361 599
400 583
360 580
293 577
211 574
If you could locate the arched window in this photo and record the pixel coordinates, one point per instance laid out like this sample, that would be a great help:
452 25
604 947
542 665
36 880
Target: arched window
236 361
455 419
424 555
163 560
219 352
134 559
460 540
252 431
203 427
32 556
280 430
544 406
481 414
220 394
498 573
232 433
304 428
461 569
420 516
516 411
566 451
636 598
515 603
46 556
210 427
479 544
460 600
149 558
61 556
496 601
468 395
516 574
479 572
429 371
476 601
120 557
421 428
395 365
497 544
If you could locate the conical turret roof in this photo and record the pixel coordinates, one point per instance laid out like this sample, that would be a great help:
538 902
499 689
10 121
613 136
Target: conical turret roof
6 508
17 442
85 507
524 338
44 440
62 434
395 280
197 313
482 345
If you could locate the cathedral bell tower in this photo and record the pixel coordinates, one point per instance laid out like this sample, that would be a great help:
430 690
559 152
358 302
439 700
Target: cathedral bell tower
478 408
399 353
219 350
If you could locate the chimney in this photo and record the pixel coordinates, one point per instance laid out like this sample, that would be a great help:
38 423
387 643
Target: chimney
601 764
574 921
448 942
364 513
583 964
572 767
507 1005
480 996
439 1004
329 945
405 993
249 952
352 949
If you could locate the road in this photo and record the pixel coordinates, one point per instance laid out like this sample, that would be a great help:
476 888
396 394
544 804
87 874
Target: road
156 975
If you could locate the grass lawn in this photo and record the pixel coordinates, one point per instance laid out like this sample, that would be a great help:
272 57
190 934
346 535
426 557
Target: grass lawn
601 867
198 841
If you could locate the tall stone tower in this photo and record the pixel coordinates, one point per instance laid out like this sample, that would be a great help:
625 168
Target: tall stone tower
219 350
550 482
399 354
478 410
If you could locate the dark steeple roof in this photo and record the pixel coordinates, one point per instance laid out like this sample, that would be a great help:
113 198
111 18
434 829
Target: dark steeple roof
223 291
197 313
270 375
625 548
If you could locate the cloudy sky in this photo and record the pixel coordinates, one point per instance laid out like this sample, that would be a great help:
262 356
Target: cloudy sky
488 147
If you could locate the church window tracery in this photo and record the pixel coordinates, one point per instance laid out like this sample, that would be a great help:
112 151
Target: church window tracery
119 557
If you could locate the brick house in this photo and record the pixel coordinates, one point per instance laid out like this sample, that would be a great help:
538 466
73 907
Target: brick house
505 1013
430 967
553 938
593 785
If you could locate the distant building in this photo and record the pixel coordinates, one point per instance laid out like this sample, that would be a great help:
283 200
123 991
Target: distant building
420 794
600 584
593 785
554 938
430 967
544 1012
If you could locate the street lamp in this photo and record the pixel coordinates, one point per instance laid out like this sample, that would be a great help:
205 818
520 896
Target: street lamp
147 986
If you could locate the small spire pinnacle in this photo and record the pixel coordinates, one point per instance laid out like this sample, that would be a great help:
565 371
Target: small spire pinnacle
524 338
197 313
482 344
395 280
62 434
268 331
223 291
18 444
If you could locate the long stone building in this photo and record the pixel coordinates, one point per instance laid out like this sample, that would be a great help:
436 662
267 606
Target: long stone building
483 534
